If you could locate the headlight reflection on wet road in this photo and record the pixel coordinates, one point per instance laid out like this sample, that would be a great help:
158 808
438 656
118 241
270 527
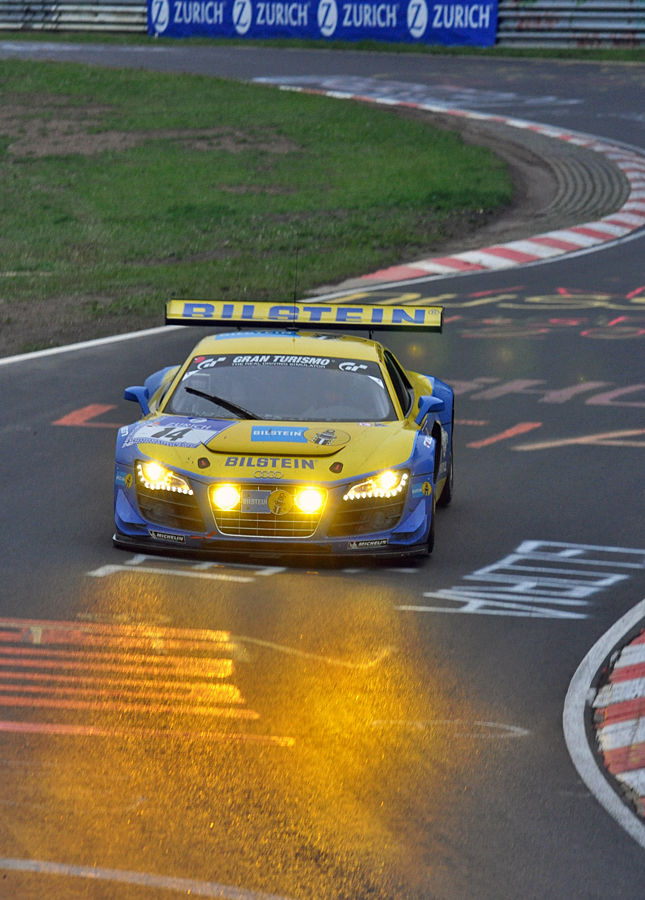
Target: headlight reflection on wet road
194 753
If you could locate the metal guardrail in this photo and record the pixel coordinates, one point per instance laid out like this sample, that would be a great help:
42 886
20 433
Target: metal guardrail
522 23
92 15
571 23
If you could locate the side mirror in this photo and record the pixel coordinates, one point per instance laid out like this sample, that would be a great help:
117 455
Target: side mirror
153 382
140 395
428 405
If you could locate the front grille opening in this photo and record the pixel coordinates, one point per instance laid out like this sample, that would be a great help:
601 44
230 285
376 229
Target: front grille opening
292 524
367 516
173 510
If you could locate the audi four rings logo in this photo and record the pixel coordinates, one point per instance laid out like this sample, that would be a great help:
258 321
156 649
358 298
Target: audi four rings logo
263 474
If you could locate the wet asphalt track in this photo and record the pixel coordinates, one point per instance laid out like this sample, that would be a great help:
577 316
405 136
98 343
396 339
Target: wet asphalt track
357 766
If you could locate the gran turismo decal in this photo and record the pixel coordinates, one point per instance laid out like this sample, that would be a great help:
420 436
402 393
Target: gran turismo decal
207 362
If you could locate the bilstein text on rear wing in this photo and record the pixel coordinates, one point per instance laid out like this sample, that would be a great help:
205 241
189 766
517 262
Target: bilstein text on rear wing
356 315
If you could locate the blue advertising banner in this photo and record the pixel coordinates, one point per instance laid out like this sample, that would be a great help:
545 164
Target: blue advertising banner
472 23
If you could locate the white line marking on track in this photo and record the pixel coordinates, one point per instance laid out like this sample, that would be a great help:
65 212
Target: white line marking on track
573 722
86 345
164 882
202 566
104 571
494 730
378 657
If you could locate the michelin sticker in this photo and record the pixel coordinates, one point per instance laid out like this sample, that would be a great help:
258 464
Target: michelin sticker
167 536
368 545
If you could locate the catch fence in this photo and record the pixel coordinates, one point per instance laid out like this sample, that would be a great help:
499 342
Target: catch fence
521 23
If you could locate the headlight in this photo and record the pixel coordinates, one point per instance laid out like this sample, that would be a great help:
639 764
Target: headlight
310 500
225 496
156 477
385 484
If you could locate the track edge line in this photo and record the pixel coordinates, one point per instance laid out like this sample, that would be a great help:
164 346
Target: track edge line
573 723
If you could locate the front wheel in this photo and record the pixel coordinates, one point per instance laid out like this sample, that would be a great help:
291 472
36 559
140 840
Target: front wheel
446 494
430 541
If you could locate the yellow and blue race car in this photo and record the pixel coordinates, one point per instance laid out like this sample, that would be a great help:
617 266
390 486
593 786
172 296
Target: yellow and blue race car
287 439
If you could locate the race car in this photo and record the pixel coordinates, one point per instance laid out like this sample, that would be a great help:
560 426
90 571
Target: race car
287 439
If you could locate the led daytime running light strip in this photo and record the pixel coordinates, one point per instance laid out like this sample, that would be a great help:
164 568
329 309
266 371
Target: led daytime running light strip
353 494
161 485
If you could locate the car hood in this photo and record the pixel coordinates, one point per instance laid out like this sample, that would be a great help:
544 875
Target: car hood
314 450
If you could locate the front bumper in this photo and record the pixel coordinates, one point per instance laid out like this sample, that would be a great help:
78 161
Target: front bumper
260 550
135 530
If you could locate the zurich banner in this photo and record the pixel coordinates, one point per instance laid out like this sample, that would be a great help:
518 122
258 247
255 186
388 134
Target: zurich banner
449 22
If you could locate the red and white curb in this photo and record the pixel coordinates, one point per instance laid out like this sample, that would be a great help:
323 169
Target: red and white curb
620 720
619 726
628 219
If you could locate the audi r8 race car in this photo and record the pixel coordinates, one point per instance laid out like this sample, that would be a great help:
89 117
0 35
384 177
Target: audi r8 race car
287 441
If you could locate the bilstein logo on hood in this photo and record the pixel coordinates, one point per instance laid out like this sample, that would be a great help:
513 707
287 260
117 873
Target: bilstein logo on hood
326 437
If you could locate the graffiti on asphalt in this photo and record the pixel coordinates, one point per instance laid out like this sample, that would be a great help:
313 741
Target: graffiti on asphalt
631 396
589 314
540 579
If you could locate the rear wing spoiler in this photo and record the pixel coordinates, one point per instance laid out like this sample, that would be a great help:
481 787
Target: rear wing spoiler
337 316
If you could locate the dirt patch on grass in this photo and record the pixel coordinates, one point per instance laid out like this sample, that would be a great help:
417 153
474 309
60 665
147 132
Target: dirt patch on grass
36 325
175 260
47 125
254 189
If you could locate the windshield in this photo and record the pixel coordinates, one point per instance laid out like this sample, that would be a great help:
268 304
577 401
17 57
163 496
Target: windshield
284 388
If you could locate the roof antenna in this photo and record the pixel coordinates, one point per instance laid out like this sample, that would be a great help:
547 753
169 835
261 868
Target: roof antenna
295 284
294 326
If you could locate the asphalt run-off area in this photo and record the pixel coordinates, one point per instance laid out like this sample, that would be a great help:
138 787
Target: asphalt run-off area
464 726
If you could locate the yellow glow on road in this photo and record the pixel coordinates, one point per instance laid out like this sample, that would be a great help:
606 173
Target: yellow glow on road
346 744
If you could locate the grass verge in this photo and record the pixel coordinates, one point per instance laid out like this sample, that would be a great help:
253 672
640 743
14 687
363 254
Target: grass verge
123 188
599 54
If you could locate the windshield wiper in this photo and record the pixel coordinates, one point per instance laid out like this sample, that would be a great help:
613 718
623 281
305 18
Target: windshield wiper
225 404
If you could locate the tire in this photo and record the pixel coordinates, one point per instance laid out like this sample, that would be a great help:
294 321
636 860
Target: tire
446 494
430 541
